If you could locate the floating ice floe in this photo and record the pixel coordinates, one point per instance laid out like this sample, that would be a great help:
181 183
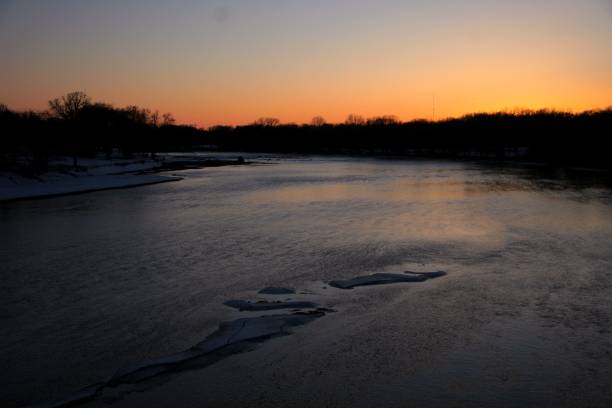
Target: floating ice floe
231 337
273 290
238 335
243 305
385 278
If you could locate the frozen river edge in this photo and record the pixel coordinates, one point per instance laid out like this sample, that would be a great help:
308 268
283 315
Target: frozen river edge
80 185
91 175
99 175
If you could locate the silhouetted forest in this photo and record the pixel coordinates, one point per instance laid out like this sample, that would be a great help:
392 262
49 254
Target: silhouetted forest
551 137
77 127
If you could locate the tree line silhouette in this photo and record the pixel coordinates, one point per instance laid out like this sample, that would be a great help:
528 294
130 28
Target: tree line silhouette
77 127
544 136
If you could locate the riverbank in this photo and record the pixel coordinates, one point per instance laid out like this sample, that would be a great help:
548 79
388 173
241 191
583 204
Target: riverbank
98 175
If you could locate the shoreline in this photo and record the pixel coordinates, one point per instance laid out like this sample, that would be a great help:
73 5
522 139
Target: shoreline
465 158
146 172
168 179
100 176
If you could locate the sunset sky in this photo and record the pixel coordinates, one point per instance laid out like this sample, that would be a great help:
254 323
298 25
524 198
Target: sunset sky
230 62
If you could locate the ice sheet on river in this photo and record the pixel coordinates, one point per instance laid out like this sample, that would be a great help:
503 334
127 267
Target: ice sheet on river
55 184
231 337
273 290
244 305
237 335
385 278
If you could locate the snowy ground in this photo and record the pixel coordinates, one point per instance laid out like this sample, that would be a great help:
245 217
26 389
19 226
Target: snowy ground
92 175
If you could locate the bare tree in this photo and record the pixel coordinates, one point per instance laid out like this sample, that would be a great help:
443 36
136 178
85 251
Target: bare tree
168 119
136 114
267 122
154 118
68 106
384 120
354 120
318 121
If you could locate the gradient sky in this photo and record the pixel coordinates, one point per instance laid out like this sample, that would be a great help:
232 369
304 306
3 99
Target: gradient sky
230 62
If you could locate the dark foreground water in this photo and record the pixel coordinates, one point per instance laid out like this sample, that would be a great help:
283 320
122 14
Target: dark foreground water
92 282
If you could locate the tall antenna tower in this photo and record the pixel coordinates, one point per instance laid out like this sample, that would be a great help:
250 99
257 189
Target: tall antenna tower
433 108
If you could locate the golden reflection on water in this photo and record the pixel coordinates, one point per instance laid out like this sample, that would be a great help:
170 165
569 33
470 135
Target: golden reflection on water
443 208
406 209
399 190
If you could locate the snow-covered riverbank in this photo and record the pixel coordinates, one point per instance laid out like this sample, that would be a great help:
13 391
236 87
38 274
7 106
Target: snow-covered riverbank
92 175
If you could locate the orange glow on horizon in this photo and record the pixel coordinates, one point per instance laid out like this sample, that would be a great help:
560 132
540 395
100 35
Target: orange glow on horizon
297 61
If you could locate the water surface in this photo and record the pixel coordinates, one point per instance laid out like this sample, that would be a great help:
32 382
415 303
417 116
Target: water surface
95 281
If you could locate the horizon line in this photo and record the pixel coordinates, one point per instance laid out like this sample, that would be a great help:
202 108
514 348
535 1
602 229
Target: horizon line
513 111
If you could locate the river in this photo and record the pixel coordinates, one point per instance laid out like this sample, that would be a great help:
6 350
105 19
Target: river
95 281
